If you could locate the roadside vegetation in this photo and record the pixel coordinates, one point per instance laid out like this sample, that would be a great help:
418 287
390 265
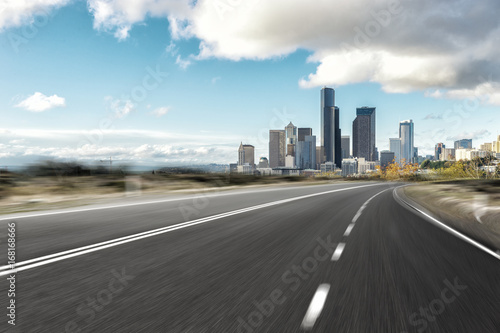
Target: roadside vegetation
478 168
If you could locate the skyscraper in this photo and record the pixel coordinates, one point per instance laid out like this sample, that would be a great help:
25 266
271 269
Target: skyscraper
305 157
395 147
302 132
464 143
246 154
277 148
330 127
363 134
406 134
438 150
291 134
386 158
346 146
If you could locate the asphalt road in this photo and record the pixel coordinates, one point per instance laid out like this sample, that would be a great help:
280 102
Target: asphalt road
337 258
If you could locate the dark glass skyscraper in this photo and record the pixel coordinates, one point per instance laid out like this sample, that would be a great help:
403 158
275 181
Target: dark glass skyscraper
363 134
330 128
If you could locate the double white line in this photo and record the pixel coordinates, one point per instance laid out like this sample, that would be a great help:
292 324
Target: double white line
44 260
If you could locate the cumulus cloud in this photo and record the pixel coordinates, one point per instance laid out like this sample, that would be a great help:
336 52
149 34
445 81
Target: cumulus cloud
161 111
19 12
118 16
487 93
38 102
440 47
138 146
120 107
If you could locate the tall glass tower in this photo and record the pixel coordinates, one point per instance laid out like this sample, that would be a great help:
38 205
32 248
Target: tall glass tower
330 128
406 134
363 134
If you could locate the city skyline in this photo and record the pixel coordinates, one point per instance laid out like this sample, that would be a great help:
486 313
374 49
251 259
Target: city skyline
160 87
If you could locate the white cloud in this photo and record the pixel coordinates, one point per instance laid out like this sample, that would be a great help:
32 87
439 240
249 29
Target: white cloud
161 111
120 107
474 135
20 12
118 16
403 45
38 102
182 63
131 146
487 93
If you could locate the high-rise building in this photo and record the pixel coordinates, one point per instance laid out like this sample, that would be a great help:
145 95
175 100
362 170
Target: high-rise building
438 150
291 134
386 158
346 146
330 127
406 134
363 134
241 154
395 147
246 155
464 143
305 157
302 132
320 156
277 148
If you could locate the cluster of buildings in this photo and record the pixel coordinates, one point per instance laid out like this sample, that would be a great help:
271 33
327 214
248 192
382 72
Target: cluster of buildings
463 150
295 150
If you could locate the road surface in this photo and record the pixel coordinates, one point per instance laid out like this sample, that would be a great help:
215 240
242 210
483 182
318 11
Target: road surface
345 257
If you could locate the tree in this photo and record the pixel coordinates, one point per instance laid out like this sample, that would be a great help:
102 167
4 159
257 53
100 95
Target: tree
426 164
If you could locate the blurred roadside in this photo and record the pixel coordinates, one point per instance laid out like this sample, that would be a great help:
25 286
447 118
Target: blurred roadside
63 185
469 206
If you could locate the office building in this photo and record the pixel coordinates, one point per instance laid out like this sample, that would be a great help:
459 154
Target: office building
263 163
291 134
346 146
470 154
406 134
302 132
320 156
277 148
305 157
447 154
464 143
488 146
395 147
246 154
363 134
349 167
386 157
438 149
330 127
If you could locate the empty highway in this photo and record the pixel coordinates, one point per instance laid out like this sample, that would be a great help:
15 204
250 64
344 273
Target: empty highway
346 257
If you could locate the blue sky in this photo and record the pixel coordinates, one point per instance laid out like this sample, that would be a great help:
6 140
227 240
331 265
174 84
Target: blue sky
177 82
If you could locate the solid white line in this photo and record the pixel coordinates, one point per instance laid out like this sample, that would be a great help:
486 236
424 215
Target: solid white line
349 229
36 262
447 228
79 210
360 211
316 306
338 251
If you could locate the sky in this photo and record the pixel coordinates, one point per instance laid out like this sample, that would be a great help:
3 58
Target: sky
176 82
